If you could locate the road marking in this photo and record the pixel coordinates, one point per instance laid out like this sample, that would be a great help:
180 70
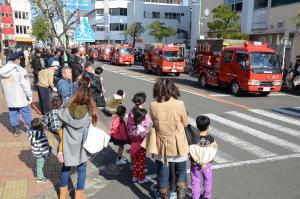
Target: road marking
276 116
286 112
237 142
256 133
220 95
222 158
261 122
257 161
188 90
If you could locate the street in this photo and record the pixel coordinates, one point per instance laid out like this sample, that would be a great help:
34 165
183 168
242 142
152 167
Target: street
258 138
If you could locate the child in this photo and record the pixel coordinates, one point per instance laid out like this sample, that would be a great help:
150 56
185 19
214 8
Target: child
202 167
51 122
138 124
112 104
118 133
39 147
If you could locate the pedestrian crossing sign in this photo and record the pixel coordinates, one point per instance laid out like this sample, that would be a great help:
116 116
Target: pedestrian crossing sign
84 32
78 4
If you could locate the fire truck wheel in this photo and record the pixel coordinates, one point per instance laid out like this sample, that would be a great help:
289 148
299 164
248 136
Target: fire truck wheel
235 88
264 94
177 74
202 81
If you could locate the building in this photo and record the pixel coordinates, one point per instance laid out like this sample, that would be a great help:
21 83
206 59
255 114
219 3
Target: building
173 14
119 14
22 21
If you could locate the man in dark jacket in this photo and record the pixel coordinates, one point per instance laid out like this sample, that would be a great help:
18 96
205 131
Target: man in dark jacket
36 66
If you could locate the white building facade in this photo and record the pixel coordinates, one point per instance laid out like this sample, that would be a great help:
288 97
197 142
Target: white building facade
22 21
110 18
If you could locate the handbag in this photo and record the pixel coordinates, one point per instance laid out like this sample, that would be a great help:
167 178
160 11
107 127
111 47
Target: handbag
96 140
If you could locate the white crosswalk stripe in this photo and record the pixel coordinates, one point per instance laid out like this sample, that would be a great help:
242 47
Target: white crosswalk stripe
256 133
222 158
271 125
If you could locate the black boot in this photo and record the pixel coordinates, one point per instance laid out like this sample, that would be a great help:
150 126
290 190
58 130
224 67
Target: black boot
181 190
16 131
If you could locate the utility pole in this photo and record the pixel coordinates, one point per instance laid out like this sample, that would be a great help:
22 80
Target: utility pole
1 42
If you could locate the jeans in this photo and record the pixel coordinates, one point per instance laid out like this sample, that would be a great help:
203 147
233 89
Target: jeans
163 173
65 175
44 97
196 172
40 162
14 115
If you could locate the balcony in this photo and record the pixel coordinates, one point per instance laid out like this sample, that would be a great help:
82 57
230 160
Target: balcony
260 19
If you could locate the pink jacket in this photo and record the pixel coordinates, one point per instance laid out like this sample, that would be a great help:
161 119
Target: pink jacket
140 131
118 129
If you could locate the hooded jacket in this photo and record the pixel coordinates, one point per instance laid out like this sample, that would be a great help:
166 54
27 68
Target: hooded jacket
75 120
16 85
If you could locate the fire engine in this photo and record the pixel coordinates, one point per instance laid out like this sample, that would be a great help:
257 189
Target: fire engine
241 65
160 59
105 52
122 55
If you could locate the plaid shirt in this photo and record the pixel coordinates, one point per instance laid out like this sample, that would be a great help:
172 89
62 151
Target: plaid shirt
51 120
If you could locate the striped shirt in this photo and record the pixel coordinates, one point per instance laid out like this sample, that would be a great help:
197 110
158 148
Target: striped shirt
39 143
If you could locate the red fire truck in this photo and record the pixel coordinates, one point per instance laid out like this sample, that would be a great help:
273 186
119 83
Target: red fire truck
251 67
122 55
105 52
160 58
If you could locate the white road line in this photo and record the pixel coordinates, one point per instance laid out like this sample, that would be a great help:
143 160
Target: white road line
222 158
256 133
261 122
286 112
277 94
220 95
257 161
276 116
237 142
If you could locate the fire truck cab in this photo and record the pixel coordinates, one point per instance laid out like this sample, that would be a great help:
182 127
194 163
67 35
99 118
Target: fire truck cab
253 67
122 55
105 53
162 59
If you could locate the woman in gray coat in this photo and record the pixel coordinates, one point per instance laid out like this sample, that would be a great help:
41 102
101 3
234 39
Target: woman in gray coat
75 119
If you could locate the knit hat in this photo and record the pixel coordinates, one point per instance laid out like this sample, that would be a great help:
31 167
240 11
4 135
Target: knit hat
120 92
88 63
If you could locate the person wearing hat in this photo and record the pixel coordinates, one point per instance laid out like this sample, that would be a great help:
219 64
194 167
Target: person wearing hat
17 90
46 82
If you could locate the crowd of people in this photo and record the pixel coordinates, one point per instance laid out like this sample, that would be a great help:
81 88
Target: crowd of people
70 98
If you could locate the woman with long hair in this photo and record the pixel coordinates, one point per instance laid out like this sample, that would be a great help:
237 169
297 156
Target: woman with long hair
75 119
169 118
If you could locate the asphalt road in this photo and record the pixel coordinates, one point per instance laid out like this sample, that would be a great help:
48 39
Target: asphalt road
258 137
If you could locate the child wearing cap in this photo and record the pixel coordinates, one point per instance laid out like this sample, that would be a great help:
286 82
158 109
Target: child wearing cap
113 103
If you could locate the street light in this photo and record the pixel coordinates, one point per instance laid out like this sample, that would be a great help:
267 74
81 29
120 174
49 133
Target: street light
206 14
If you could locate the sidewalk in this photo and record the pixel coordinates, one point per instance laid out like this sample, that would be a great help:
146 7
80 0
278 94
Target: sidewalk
17 165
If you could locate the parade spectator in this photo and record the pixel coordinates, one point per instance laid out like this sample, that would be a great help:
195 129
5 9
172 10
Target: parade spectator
113 103
17 90
26 56
138 125
76 118
95 83
50 119
118 133
36 65
99 95
75 64
22 58
39 147
203 171
169 118
46 81
65 87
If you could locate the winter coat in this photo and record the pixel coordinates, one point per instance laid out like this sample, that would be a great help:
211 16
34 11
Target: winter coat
76 70
113 103
65 89
36 64
95 85
169 119
118 129
16 85
75 120
39 143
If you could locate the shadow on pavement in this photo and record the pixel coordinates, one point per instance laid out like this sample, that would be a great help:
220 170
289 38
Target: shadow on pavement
4 120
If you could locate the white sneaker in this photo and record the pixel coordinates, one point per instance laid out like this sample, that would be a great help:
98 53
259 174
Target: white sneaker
122 160
134 179
143 181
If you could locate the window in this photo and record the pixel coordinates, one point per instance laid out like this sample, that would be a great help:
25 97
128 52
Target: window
100 12
25 29
228 56
19 15
236 5
118 27
118 11
170 15
16 15
23 15
100 28
156 15
241 57
260 4
17 29
283 2
27 15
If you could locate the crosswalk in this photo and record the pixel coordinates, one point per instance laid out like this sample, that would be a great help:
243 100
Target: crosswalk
265 135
